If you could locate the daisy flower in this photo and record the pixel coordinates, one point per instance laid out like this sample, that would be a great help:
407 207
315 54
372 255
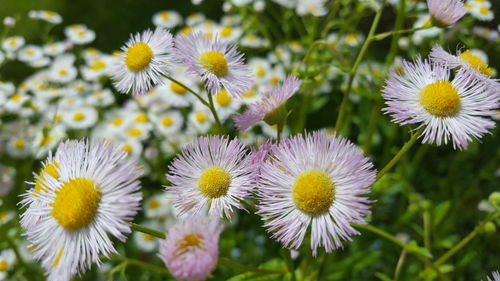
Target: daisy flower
30 53
211 171
167 19
80 117
79 34
12 44
191 249
217 63
446 12
7 260
324 193
169 122
95 194
456 110
145 59
316 8
271 108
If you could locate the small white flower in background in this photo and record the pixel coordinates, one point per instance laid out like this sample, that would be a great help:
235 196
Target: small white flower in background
489 34
176 95
169 122
195 19
167 19
7 260
424 20
54 49
480 9
80 118
259 5
287 3
147 242
200 119
353 39
229 33
18 147
12 44
5 217
6 180
196 2
241 3
311 7
79 34
30 53
159 206
48 16
9 21
252 41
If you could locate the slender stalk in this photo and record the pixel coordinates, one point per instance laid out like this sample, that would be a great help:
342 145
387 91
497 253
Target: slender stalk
147 266
280 130
399 265
202 100
400 154
214 113
354 70
147 230
427 229
243 268
289 262
384 35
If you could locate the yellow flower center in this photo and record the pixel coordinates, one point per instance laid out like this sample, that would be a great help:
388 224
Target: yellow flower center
148 237
313 192
16 97
200 117
164 15
178 89
134 132
3 215
63 72
440 99
51 170
141 118
223 99
214 182
226 31
351 38
98 65
476 62
484 10
76 203
117 121
153 204
167 121
127 148
214 62
190 240
3 265
138 56
79 116
19 144
261 72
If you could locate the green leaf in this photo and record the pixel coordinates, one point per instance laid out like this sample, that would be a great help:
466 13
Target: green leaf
414 248
440 211
382 276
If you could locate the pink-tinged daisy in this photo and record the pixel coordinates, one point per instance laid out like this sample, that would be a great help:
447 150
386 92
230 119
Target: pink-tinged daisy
218 63
144 61
315 182
458 110
495 276
191 249
211 171
272 108
466 59
446 12
78 203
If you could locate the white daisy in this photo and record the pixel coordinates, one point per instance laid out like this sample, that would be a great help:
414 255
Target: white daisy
167 19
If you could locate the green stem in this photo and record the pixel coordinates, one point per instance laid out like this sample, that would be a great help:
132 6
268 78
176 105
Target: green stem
384 35
399 265
289 262
214 113
147 230
280 131
427 229
398 25
243 268
400 154
372 126
148 266
354 70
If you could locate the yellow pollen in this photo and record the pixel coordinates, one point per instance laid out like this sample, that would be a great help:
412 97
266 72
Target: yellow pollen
134 132
484 10
214 182
313 192
167 121
261 72
476 63
178 89
98 65
141 118
16 97
79 116
45 140
351 38
148 237
19 144
468 6
12 42
164 15
138 56
117 121
190 240
63 72
275 80
186 30
76 203
223 99
58 258
200 117
29 52
226 31
440 99
58 117
3 265
214 62
153 204
127 148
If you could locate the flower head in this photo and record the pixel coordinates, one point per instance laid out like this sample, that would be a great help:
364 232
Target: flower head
211 171
216 62
88 191
458 110
272 107
191 249
446 12
315 181
145 59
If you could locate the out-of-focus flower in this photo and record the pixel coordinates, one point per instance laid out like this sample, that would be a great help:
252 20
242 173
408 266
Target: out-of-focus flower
167 19
12 44
324 193
48 16
446 12
145 59
316 8
7 260
79 34
456 110
9 21
191 249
